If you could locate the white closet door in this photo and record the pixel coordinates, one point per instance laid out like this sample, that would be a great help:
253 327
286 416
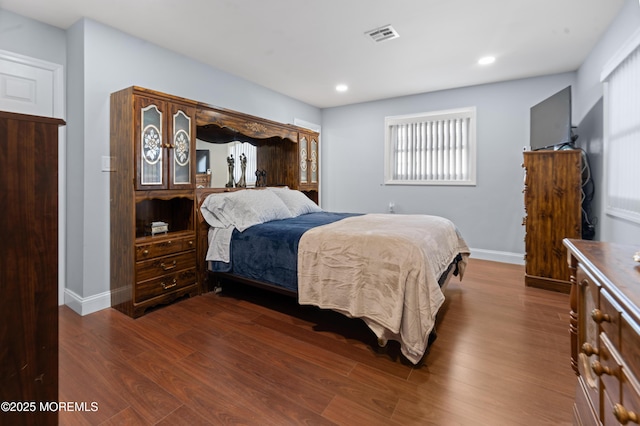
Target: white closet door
26 87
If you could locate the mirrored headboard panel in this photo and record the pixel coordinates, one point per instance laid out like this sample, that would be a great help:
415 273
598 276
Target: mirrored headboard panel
276 146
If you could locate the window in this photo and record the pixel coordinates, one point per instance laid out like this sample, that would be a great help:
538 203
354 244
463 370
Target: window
236 149
433 148
622 131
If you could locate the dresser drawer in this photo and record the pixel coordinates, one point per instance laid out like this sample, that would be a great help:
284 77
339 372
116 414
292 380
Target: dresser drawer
165 284
585 413
630 344
609 318
630 404
609 369
164 247
165 265
608 413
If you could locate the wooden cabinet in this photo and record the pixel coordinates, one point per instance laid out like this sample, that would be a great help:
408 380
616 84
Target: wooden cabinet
308 159
552 198
29 268
605 332
153 181
165 144
309 164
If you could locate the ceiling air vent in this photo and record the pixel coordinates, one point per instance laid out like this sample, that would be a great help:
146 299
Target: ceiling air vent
382 34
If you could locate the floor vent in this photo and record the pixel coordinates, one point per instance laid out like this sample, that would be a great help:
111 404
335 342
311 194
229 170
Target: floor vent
382 34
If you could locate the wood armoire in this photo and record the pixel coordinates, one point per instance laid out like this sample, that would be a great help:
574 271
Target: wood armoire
28 268
553 207
153 180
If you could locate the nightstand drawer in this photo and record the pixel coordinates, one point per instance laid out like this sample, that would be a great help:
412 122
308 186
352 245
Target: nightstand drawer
165 265
165 284
164 247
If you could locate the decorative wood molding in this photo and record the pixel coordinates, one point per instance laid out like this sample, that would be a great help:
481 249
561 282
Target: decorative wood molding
214 124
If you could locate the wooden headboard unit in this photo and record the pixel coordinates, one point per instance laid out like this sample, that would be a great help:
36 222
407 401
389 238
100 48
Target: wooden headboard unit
277 153
276 143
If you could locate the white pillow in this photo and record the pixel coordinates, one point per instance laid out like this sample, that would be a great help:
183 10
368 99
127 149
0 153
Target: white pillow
253 206
296 201
212 210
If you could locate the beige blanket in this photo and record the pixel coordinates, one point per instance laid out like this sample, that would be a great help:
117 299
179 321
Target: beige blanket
382 268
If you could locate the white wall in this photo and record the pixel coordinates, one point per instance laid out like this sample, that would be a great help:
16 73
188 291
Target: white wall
489 215
31 38
589 115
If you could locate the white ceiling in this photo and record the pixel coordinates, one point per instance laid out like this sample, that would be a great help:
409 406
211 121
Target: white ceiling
304 48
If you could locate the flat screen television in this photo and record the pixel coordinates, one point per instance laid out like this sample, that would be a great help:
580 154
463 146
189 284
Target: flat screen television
202 160
550 124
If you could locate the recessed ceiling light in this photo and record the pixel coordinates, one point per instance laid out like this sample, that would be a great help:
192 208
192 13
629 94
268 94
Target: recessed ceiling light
486 60
342 88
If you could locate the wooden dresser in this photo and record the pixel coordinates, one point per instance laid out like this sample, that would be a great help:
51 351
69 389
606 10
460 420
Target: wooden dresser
553 206
605 332
28 268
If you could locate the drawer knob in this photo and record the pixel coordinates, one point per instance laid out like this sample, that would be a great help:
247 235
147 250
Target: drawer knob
145 252
623 415
599 317
600 369
168 286
589 350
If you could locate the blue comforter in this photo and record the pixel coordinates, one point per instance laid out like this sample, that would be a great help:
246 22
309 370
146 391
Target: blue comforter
268 252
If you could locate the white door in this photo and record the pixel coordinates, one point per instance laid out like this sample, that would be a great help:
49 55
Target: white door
25 89
32 86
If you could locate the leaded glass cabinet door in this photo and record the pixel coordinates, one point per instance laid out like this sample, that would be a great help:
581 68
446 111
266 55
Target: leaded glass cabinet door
181 149
303 159
313 159
150 149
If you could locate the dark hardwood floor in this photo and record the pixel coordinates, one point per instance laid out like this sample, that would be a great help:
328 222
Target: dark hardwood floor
249 357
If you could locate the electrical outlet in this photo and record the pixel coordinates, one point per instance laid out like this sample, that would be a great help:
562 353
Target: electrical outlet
392 207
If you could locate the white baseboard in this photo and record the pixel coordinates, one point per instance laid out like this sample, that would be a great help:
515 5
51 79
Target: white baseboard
87 305
498 256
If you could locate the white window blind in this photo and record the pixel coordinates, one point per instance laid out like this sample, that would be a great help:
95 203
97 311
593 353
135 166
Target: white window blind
237 149
434 148
622 132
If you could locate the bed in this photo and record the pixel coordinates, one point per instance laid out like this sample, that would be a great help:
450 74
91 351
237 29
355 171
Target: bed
388 270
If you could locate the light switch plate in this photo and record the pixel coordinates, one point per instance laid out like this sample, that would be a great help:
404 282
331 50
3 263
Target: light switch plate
106 163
